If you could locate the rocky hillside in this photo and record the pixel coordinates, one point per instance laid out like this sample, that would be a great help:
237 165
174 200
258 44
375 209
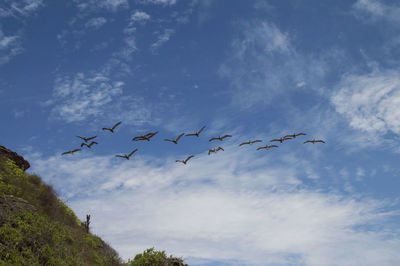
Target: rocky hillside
37 228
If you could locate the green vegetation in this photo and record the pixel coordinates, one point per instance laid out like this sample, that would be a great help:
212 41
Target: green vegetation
37 228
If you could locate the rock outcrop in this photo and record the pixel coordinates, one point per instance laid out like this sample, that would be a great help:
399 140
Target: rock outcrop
18 159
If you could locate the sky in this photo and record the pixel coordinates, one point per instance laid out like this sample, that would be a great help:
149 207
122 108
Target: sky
254 69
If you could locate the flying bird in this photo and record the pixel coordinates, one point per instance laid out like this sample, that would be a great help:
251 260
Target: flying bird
314 141
295 135
89 145
70 152
267 147
250 142
197 133
127 156
221 138
147 137
186 160
281 139
112 128
175 140
215 150
86 139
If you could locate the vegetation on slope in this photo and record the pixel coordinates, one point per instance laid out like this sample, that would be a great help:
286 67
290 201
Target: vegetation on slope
37 228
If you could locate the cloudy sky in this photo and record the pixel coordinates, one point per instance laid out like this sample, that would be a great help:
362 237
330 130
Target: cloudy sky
255 69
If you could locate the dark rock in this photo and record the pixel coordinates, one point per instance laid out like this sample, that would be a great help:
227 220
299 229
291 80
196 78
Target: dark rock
9 154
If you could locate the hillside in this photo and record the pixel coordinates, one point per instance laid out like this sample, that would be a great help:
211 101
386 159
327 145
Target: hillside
37 228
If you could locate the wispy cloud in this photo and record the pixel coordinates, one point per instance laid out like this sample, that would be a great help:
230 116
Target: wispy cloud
111 5
95 23
10 46
162 38
91 96
370 102
263 63
158 2
140 16
19 8
376 9
233 207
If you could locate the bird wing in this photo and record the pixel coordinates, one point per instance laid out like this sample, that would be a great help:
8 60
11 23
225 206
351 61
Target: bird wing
80 137
320 141
213 139
299 134
75 150
83 144
272 146
117 124
275 140
191 134
179 161
188 158
289 136
91 138
93 142
120 156
257 140
220 148
307 141
201 129
259 148
169 140
210 151
179 137
66 152
244 143
106 128
130 154
226 136
286 138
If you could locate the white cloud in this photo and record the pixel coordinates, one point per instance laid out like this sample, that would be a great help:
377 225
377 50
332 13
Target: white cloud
158 2
231 207
10 46
19 8
95 23
93 96
111 5
379 10
370 102
162 38
140 16
264 63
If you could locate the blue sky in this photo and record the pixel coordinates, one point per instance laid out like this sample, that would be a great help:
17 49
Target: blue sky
253 69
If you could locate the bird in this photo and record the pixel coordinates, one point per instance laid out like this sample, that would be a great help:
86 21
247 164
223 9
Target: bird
197 133
215 150
175 140
221 138
186 160
86 139
295 135
127 156
70 152
314 141
250 142
281 139
89 145
147 137
112 128
267 147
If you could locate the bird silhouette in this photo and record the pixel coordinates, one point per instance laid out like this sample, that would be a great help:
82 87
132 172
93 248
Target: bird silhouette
175 140
267 147
70 152
89 145
215 150
186 160
314 141
295 135
126 156
197 133
112 128
281 139
86 139
147 137
221 138
250 142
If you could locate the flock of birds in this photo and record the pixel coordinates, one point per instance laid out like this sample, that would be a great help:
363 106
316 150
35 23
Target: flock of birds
148 136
